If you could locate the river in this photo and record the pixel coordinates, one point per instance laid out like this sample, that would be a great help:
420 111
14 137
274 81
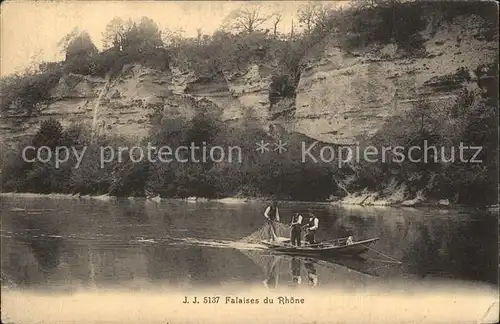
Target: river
87 260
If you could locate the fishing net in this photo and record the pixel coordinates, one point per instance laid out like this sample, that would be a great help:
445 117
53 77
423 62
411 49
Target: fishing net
263 233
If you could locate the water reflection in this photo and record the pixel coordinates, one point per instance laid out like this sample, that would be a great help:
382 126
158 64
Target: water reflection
294 277
295 265
455 249
272 278
51 242
47 251
33 253
295 271
45 242
312 277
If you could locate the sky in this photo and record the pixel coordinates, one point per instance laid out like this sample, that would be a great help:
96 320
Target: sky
30 30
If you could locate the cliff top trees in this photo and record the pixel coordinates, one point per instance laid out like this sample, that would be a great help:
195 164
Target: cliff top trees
80 52
248 19
49 134
77 45
115 33
144 35
313 14
122 35
133 42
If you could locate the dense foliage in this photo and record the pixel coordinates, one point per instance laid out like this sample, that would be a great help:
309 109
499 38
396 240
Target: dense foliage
471 120
272 174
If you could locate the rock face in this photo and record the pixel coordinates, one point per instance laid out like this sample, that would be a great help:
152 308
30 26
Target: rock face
127 104
341 97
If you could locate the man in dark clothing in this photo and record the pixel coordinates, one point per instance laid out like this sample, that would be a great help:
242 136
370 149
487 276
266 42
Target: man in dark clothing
296 230
312 227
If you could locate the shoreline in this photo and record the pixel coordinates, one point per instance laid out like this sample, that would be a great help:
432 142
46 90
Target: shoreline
353 200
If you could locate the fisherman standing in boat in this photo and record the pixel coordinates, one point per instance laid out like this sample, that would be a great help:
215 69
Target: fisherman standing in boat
312 227
296 230
272 215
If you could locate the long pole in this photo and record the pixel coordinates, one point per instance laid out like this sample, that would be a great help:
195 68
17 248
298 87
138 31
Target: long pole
272 231
341 186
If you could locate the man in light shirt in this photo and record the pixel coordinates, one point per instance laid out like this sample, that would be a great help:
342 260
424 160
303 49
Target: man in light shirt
272 215
312 227
296 230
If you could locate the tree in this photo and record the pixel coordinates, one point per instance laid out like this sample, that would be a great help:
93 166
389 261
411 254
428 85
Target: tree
149 33
292 31
276 21
306 15
49 134
121 35
27 93
173 38
374 3
247 20
199 35
78 45
144 35
114 36
64 42
313 14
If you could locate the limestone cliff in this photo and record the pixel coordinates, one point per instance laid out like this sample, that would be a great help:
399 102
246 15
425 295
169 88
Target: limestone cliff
127 103
340 98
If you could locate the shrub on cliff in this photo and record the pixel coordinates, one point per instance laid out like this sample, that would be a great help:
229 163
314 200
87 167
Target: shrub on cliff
79 50
121 36
379 23
282 87
49 134
112 61
226 52
470 122
77 44
26 94
124 43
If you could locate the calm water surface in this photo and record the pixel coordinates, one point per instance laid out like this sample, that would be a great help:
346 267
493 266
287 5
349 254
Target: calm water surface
64 244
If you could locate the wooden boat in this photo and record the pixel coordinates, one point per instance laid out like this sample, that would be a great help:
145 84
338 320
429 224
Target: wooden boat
327 248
